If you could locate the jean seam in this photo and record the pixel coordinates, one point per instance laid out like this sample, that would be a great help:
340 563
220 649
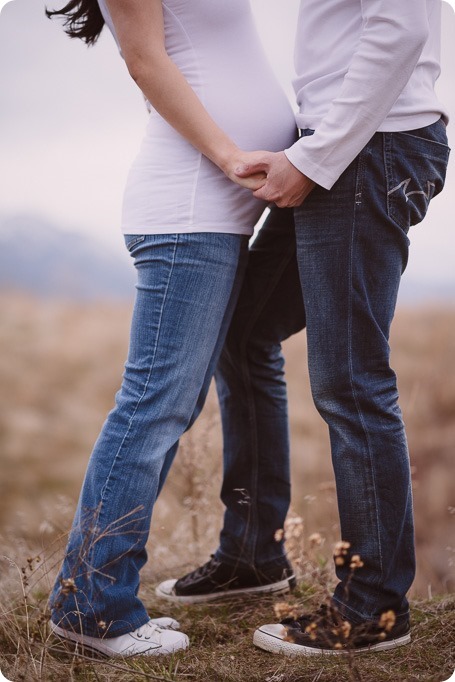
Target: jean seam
354 393
103 495
250 400
360 175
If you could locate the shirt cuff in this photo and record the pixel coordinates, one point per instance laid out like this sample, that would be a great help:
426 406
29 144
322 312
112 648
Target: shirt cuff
296 155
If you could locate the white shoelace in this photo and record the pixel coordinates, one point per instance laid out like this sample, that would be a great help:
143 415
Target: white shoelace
147 630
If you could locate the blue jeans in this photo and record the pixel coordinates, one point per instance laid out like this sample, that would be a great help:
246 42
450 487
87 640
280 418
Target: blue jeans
187 288
253 399
350 249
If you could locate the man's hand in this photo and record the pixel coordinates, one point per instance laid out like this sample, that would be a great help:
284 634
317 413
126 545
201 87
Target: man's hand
284 186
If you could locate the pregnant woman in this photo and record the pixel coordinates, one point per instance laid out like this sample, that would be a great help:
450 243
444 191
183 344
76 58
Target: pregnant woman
211 93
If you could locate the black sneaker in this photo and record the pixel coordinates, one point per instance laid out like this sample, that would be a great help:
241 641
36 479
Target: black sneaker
217 580
326 632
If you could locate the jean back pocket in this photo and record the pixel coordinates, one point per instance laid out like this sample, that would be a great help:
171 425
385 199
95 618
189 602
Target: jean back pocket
416 164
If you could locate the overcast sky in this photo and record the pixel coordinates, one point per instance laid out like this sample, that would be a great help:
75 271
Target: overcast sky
71 121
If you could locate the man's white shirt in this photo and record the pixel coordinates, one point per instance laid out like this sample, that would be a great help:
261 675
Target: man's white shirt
362 66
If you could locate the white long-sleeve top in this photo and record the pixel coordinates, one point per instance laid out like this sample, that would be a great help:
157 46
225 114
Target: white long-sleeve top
362 66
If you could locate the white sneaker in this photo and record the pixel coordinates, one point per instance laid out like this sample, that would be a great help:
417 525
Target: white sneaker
148 640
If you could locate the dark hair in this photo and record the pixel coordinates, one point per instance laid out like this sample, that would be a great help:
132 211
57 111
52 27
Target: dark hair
83 19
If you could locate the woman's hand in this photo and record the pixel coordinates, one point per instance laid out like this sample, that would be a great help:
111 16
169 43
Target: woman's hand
284 184
235 159
252 182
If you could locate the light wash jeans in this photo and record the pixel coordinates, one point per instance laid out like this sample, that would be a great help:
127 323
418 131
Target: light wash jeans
187 288
349 249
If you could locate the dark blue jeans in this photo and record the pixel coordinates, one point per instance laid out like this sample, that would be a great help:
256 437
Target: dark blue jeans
349 249
253 399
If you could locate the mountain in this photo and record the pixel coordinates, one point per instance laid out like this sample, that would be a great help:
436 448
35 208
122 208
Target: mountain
37 257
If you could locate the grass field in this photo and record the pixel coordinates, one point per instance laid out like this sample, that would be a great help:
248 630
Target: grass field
221 648
60 365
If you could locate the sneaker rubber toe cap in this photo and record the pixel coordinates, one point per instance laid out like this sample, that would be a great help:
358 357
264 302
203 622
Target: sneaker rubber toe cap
172 641
271 637
273 630
166 588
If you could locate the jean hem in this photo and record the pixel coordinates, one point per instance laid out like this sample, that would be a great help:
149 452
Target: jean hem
95 632
359 618
231 560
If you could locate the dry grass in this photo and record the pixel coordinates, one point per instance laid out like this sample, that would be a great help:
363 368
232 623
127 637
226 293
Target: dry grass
59 368
221 641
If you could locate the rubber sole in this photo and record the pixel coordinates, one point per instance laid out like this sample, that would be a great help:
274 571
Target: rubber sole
276 645
75 646
75 643
281 587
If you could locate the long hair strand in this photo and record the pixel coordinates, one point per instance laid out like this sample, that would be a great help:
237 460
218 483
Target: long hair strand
83 19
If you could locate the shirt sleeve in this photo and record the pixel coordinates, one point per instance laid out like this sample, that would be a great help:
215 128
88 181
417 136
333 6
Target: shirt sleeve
394 34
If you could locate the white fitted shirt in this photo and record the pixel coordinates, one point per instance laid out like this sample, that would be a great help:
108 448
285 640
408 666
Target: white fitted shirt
362 66
171 186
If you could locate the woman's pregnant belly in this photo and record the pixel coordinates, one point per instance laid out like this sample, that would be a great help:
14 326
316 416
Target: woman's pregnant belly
173 188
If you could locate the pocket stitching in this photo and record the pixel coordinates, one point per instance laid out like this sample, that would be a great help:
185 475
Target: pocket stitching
424 139
393 210
135 241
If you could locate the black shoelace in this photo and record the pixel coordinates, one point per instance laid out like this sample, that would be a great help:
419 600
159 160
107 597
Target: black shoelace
206 569
324 615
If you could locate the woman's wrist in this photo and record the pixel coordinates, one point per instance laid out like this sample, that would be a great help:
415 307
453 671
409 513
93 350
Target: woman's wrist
226 157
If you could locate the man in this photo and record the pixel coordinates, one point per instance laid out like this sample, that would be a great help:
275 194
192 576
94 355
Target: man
372 153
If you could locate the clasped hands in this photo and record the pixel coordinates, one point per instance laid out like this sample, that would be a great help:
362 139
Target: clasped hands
271 177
